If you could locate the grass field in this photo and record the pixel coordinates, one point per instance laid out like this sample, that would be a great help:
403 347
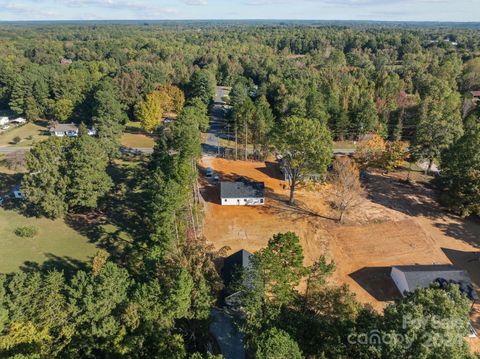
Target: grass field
137 140
55 241
29 134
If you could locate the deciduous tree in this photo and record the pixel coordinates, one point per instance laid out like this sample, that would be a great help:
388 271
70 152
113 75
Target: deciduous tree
305 146
346 190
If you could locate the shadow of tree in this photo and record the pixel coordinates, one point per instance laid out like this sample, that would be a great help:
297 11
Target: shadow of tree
272 170
467 230
411 199
9 181
66 264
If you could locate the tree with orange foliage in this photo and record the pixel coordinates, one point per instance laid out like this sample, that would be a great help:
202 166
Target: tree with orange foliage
378 153
369 152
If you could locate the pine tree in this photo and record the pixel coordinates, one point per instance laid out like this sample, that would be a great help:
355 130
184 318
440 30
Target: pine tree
440 123
46 183
109 117
87 164
460 176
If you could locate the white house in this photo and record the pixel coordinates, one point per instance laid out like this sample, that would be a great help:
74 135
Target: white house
64 129
69 130
242 193
409 278
4 121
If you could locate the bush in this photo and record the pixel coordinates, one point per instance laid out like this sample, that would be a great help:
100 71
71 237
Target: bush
26 231
16 140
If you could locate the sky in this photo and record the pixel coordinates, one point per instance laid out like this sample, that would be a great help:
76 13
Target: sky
390 10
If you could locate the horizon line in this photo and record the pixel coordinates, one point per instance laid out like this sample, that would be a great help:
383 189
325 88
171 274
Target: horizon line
250 19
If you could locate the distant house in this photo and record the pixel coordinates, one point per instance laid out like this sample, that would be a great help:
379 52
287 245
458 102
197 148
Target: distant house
64 129
314 177
65 61
4 121
409 278
69 130
242 193
475 95
19 121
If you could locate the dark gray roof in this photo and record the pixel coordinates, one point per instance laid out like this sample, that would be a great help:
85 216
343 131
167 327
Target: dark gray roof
422 276
242 189
240 259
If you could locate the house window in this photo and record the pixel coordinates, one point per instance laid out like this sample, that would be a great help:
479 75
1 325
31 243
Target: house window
225 200
261 200
244 200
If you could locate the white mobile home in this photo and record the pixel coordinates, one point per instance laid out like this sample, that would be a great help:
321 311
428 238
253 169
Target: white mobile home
242 193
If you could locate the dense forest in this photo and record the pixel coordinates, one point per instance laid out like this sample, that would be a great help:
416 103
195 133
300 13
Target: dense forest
292 85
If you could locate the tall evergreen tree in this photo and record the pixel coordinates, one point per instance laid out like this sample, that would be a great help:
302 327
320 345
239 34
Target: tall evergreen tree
109 118
46 183
87 165
440 123
460 176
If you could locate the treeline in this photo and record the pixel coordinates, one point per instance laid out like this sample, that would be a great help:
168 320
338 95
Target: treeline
294 90
152 298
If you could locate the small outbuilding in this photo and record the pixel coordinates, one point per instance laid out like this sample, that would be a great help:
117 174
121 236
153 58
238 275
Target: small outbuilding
4 121
409 278
242 193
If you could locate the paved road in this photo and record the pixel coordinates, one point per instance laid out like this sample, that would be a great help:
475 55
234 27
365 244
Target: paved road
10 149
212 144
345 151
227 335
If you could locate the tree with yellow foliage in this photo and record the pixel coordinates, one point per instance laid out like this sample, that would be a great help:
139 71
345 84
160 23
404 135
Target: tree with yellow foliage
150 111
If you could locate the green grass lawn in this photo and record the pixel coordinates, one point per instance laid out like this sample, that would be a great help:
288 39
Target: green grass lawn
137 140
28 133
55 241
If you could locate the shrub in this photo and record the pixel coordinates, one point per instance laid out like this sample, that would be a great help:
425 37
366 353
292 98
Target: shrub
26 231
16 140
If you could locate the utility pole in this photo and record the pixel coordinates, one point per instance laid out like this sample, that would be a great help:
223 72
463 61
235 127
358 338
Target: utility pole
236 141
246 141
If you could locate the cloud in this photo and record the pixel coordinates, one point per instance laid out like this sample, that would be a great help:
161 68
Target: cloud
340 2
196 2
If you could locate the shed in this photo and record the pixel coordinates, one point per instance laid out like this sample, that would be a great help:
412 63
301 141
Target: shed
242 193
409 278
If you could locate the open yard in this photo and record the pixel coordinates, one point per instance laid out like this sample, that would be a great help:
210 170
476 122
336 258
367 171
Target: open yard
397 224
56 243
28 134
137 140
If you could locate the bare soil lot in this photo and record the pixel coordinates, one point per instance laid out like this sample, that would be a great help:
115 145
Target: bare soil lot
398 224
